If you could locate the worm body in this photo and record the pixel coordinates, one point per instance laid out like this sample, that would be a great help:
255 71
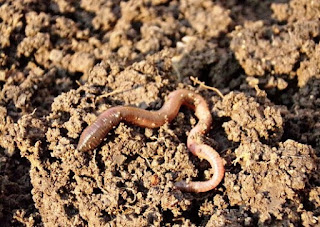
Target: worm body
93 135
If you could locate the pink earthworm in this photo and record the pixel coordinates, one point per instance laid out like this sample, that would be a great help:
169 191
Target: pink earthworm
93 135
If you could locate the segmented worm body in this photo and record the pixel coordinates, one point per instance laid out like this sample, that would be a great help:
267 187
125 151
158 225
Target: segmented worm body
92 136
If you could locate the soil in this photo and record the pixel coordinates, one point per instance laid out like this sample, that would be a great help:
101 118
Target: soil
63 62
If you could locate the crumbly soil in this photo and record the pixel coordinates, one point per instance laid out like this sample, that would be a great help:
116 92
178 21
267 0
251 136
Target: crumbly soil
63 62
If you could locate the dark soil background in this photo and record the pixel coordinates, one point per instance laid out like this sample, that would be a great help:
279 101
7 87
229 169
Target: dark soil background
64 61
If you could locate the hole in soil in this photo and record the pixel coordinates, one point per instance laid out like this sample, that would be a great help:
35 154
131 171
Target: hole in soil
2 84
64 132
71 210
89 100
167 217
97 191
106 216
316 39
136 25
82 93
77 75
64 116
192 214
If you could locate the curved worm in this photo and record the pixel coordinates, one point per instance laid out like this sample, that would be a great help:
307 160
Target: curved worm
93 135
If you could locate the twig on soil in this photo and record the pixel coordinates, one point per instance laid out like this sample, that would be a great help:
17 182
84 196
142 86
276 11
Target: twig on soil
197 81
33 112
109 94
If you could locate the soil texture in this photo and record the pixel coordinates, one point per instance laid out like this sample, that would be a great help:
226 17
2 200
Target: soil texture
62 62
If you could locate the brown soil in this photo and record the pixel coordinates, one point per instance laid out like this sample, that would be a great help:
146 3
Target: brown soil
62 62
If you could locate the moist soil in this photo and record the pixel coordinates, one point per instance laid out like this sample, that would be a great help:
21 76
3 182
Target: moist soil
63 62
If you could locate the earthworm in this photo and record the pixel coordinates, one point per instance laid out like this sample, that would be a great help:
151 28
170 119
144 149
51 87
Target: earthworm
93 135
